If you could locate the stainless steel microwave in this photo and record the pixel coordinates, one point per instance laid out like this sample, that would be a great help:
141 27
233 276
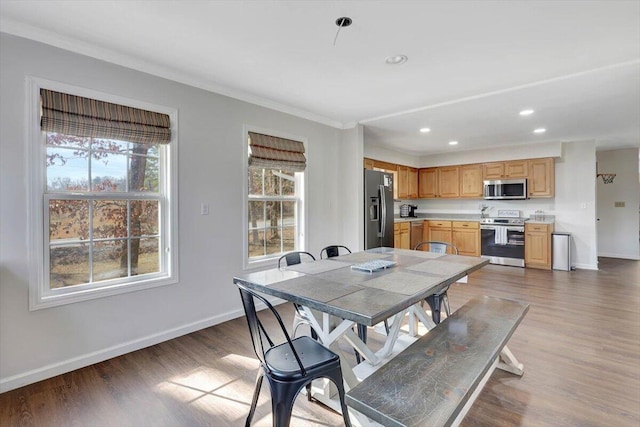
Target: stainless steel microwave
505 189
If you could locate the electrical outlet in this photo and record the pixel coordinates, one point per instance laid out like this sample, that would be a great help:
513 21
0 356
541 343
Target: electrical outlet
204 209
583 206
618 204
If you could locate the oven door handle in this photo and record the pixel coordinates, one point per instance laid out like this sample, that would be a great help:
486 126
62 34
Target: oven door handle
495 227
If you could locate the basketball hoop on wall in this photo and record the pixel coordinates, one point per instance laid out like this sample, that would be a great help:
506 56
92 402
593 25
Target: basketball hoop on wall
607 178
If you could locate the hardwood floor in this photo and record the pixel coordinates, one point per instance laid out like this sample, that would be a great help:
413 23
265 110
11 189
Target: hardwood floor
580 344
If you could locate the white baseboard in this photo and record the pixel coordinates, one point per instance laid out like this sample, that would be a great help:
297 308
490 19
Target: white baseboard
585 266
615 255
62 367
87 359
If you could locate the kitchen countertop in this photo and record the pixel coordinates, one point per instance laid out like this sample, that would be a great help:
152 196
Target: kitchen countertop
442 217
548 219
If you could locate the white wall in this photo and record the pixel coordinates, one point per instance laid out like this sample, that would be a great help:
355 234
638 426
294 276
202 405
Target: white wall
618 226
575 188
38 344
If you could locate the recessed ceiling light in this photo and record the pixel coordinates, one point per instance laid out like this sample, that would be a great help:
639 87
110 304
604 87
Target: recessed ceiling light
425 130
453 142
396 59
540 130
526 112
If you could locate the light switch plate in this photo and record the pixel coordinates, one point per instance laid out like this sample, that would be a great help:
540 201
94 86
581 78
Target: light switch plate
618 204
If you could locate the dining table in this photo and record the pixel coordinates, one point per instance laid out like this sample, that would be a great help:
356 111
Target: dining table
366 288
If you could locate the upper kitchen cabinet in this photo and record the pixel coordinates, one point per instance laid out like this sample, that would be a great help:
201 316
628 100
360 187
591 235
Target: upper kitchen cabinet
413 183
541 182
471 181
506 170
407 182
449 182
368 164
428 183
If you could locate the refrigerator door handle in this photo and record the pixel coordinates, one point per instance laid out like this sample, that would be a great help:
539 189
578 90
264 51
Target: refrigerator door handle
383 207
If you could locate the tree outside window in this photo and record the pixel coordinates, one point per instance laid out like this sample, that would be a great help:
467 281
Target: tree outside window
104 205
272 213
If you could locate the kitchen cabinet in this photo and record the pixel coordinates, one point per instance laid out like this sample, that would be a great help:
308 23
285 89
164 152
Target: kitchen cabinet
537 245
428 183
439 231
413 183
471 181
407 182
466 237
449 182
541 182
401 235
506 170
368 164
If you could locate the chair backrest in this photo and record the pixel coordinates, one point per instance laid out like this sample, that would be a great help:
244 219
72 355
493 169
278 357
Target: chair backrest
256 329
293 258
437 247
333 250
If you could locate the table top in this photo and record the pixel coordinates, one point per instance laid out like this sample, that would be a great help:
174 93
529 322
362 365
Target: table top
333 286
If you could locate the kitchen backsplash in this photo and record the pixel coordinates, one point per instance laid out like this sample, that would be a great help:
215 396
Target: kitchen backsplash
527 207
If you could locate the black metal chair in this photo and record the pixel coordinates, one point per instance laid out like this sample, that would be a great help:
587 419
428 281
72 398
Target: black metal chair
436 301
333 250
288 366
293 258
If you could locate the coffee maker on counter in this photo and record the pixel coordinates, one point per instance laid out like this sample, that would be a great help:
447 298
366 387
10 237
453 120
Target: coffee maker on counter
408 211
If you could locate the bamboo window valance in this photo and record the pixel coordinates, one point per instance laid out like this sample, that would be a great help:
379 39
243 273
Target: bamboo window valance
75 115
270 152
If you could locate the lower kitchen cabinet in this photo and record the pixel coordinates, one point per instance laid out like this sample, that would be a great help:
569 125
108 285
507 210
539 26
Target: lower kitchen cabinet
537 246
439 231
401 235
466 237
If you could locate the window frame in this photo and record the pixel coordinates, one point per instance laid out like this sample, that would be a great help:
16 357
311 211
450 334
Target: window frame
40 295
300 196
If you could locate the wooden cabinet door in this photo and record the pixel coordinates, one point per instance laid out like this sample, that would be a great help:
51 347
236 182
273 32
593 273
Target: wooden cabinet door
440 231
516 169
368 163
466 237
471 181
493 170
537 246
428 183
405 236
541 181
449 182
413 183
403 182
396 236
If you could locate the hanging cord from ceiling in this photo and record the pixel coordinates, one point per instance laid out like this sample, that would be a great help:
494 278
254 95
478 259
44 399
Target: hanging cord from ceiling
343 21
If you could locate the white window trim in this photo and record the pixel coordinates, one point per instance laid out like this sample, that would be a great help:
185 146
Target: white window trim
302 212
39 297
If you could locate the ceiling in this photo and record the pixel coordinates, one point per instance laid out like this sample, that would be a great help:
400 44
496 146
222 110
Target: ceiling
472 65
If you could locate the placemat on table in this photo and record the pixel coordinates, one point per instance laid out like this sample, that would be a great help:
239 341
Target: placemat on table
317 267
360 257
402 282
440 268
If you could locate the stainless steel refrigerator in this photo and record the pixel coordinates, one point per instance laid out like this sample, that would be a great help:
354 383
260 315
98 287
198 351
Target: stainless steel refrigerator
378 209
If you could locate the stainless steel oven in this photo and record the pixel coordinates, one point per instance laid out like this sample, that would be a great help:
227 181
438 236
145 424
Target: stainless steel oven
502 240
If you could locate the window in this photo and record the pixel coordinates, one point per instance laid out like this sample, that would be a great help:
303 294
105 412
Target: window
104 198
274 197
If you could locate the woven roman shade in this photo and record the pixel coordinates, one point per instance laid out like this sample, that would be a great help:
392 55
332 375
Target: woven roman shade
270 152
75 115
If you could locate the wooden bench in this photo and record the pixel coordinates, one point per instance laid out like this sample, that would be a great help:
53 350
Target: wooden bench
434 381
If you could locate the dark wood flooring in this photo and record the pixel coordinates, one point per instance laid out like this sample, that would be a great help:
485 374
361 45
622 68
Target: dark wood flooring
580 344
